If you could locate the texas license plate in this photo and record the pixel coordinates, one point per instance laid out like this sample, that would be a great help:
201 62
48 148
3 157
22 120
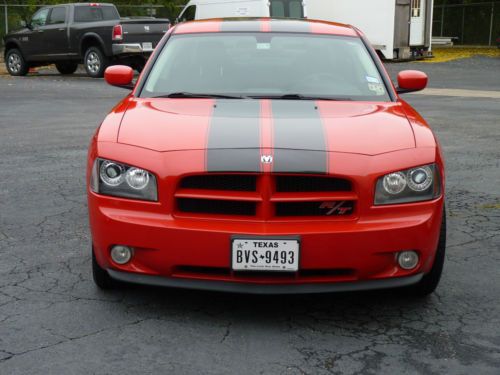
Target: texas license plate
147 46
265 254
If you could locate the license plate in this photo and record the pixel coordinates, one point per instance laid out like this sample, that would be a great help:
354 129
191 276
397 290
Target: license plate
265 254
147 46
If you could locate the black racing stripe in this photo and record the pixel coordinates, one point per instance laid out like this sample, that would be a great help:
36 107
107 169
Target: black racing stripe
299 138
290 26
234 137
238 25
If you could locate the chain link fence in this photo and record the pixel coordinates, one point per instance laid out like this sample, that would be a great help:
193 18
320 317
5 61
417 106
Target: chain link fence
468 24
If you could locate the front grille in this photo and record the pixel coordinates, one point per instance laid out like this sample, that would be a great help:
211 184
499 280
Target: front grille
289 184
234 182
218 207
227 274
334 208
265 196
205 271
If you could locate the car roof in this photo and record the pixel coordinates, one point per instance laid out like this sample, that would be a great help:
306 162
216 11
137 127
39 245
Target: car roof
265 25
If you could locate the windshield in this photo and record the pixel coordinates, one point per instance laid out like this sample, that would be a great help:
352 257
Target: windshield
266 65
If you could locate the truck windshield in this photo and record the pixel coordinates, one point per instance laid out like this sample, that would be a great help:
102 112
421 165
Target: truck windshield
264 65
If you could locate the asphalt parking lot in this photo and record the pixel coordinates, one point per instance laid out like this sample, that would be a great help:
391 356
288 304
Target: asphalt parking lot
53 320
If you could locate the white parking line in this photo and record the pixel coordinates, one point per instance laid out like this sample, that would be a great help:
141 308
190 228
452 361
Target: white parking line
460 93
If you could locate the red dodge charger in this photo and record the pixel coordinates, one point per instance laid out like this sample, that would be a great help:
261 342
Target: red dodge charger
266 156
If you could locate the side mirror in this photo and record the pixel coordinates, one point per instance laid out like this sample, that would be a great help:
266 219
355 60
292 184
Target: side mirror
120 76
26 24
411 80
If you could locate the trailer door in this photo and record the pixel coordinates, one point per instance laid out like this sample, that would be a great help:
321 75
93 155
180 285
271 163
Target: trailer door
287 8
417 23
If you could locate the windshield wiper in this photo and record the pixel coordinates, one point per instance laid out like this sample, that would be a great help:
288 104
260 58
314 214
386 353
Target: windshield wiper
184 94
299 97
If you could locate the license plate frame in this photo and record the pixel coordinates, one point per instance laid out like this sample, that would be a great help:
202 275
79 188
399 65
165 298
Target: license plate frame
292 243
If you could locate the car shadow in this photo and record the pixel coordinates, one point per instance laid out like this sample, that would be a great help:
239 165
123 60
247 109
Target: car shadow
311 309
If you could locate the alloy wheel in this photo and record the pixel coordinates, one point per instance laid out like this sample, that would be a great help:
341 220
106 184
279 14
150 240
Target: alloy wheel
14 63
93 62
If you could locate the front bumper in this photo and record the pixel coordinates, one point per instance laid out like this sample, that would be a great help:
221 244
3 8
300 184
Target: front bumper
335 256
129 49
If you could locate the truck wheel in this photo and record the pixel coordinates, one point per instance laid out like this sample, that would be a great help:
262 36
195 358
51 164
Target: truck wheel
15 63
95 62
429 282
66 67
101 276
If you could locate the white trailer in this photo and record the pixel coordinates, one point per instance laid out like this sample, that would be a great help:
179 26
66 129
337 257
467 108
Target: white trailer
204 9
398 29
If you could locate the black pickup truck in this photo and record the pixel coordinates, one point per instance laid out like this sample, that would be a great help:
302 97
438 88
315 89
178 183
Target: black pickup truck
92 33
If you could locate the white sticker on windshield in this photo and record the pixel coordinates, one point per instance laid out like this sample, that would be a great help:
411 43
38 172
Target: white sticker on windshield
263 45
372 79
377 88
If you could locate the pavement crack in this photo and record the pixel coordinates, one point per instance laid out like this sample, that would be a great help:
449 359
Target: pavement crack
68 339
226 333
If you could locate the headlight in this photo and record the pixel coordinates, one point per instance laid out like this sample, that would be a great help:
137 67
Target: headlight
411 185
120 180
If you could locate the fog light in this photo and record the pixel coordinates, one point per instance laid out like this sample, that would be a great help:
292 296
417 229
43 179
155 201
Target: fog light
408 260
121 254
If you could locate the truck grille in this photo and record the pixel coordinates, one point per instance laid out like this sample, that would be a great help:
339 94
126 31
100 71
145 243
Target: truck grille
265 196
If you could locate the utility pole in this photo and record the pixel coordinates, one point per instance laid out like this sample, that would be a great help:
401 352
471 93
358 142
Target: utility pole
491 23
6 14
442 18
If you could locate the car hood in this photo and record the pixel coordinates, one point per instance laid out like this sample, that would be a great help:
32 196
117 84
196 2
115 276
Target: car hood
17 32
316 126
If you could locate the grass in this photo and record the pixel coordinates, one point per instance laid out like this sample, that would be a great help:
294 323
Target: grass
493 206
450 54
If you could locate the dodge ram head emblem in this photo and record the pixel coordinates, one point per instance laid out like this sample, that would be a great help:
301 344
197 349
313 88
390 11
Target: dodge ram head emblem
146 28
266 159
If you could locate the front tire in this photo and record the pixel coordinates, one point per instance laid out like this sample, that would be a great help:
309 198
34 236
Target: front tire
66 67
430 281
101 276
95 62
15 63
